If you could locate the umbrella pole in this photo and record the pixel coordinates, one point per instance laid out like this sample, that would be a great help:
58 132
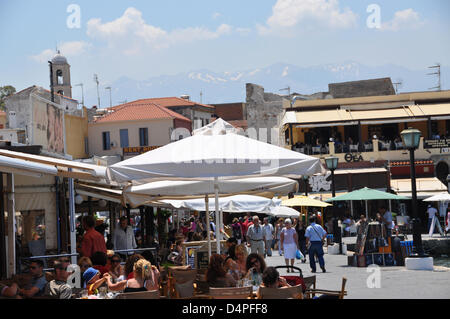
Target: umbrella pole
208 228
367 212
351 207
216 191
322 216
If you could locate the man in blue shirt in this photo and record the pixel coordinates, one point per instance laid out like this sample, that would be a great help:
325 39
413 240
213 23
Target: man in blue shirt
38 281
315 234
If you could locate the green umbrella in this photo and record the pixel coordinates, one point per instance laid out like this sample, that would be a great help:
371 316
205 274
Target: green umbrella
367 194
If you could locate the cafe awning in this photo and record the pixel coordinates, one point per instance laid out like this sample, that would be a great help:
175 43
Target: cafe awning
426 187
339 117
78 170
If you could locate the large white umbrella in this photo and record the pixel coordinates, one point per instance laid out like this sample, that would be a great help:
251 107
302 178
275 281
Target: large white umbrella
215 151
137 195
230 204
441 197
283 211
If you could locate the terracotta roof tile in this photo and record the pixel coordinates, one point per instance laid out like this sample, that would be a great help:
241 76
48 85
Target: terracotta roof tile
140 110
166 102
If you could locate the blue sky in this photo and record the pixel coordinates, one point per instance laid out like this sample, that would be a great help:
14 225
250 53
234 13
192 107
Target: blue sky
140 39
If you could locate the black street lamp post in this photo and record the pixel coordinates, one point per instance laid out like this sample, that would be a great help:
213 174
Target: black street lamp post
332 163
411 139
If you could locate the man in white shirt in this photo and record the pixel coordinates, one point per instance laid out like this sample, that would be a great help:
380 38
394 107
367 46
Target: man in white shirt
255 237
124 237
431 211
386 217
268 235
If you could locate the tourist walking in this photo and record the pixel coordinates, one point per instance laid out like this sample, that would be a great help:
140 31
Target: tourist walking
237 230
315 235
431 211
255 237
278 228
301 229
268 235
289 243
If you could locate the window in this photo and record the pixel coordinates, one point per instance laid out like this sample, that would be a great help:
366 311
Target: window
124 138
143 136
59 77
106 141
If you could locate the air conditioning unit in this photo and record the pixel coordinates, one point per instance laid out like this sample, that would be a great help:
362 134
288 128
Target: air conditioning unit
113 144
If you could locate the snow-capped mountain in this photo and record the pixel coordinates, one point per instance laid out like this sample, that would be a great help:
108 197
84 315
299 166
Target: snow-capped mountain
223 87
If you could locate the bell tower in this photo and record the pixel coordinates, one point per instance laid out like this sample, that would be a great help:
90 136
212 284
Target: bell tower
61 75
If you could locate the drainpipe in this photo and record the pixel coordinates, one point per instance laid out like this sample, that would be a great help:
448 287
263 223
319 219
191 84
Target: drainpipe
58 215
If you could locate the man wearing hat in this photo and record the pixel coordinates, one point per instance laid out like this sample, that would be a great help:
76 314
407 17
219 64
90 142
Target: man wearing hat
91 278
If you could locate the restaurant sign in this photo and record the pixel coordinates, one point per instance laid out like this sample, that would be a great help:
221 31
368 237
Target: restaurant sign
353 157
443 143
137 150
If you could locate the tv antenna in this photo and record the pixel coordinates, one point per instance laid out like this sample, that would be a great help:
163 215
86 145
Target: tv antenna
438 73
288 89
397 84
98 95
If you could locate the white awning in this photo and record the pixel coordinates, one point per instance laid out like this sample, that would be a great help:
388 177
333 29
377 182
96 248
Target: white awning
21 167
426 187
79 170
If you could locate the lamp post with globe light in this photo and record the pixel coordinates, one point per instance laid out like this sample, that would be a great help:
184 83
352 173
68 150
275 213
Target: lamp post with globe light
411 139
332 163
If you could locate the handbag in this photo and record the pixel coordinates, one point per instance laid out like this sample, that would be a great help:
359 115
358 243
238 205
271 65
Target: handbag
299 255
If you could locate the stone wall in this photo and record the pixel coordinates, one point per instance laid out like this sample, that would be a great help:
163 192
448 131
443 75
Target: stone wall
264 111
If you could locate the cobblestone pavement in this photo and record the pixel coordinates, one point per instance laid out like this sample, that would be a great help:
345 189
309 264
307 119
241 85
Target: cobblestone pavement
387 282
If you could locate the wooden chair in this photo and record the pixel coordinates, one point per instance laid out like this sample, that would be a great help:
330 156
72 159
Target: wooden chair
295 292
310 282
338 294
151 294
231 293
181 282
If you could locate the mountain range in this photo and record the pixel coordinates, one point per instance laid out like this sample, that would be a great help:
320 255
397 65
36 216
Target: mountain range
224 87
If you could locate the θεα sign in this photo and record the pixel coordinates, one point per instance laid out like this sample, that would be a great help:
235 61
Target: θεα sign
357 157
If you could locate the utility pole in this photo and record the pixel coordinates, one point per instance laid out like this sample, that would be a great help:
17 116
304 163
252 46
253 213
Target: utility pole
110 100
438 73
288 89
98 94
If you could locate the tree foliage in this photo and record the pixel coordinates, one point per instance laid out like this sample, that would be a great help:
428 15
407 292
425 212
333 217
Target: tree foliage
5 91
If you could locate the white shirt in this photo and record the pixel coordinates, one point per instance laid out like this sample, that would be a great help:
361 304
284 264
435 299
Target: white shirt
431 212
388 217
124 240
268 231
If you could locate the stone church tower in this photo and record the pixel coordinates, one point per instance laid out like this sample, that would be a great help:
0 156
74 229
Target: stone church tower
61 75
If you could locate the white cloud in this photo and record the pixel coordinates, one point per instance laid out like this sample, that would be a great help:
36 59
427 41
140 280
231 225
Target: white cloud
68 49
406 19
131 33
287 14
